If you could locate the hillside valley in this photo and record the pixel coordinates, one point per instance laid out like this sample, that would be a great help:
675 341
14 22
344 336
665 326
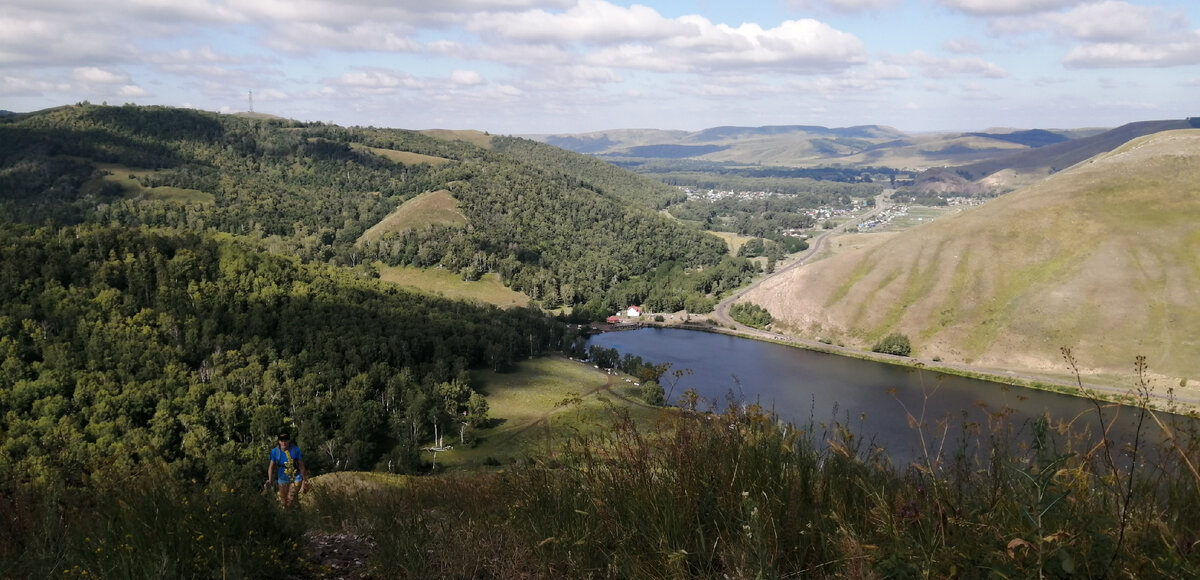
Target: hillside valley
177 287
1100 258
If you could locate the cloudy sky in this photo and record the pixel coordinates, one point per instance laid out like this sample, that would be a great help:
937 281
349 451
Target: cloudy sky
556 66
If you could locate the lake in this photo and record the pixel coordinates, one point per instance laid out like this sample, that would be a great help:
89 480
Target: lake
873 399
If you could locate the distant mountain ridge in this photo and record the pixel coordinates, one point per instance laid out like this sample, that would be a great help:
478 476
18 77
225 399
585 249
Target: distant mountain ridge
808 145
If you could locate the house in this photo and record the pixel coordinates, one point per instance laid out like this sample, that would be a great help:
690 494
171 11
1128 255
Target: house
634 312
613 319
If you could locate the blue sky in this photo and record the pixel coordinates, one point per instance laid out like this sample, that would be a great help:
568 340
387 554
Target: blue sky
568 66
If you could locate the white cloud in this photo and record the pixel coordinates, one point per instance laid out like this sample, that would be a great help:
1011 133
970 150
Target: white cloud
1183 52
374 81
132 91
306 37
466 78
12 85
1112 21
638 37
846 6
940 68
587 21
1118 34
963 45
1008 7
94 75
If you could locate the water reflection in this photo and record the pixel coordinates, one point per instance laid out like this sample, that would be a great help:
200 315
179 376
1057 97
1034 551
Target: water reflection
882 403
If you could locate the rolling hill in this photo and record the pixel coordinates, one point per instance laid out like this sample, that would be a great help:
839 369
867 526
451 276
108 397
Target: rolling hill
1103 258
810 145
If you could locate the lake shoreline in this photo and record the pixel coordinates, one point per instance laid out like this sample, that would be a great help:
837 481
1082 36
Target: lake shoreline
1074 388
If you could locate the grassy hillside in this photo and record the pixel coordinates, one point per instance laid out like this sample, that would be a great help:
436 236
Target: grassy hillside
1059 156
1101 258
427 209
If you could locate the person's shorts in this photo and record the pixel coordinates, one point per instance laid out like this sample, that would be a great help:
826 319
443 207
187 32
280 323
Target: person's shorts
283 480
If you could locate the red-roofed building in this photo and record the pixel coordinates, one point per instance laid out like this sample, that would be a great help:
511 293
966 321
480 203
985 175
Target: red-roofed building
634 312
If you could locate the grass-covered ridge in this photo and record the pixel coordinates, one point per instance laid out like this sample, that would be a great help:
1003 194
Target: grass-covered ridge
1101 258
427 209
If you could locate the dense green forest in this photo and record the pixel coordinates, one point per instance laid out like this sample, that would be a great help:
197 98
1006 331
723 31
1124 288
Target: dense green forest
124 345
561 227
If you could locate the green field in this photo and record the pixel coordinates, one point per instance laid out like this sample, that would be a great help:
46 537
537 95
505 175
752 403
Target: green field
129 180
539 407
916 215
487 289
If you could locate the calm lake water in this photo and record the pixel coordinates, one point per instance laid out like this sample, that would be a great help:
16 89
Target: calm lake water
869 397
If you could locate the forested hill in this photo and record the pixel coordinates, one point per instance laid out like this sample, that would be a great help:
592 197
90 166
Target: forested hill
121 346
564 229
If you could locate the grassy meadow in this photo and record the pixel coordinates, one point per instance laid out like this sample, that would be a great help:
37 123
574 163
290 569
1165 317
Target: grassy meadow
431 207
487 289
129 181
402 157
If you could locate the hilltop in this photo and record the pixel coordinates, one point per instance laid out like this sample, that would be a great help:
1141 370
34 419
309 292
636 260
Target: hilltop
1100 258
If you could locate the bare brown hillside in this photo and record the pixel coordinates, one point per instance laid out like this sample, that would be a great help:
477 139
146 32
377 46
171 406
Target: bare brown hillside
1103 258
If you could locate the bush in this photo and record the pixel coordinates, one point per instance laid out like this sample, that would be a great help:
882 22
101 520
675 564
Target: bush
750 314
894 343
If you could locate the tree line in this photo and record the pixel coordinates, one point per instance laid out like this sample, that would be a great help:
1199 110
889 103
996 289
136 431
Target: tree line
561 227
120 346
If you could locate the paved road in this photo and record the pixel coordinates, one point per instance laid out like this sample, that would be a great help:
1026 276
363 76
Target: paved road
720 313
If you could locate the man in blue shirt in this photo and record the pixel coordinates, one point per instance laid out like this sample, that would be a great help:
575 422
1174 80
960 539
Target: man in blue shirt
287 469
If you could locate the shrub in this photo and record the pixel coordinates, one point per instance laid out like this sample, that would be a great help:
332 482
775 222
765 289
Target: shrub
894 343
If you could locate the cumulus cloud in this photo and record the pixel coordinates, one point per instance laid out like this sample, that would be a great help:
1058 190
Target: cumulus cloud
25 86
588 21
1118 34
94 75
639 37
1007 7
845 6
1112 21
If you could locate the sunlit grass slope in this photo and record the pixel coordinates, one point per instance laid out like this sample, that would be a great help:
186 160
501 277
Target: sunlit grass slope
487 289
1103 258
429 208
540 406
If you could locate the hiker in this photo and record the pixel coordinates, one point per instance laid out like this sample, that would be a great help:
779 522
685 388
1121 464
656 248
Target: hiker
287 469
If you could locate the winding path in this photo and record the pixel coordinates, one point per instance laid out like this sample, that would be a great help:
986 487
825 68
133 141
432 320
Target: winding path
720 313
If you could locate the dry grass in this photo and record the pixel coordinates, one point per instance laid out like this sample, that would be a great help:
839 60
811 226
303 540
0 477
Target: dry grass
432 207
476 138
403 157
487 289
1103 258
734 241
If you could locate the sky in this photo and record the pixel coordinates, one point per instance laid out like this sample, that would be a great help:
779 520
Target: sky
571 66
